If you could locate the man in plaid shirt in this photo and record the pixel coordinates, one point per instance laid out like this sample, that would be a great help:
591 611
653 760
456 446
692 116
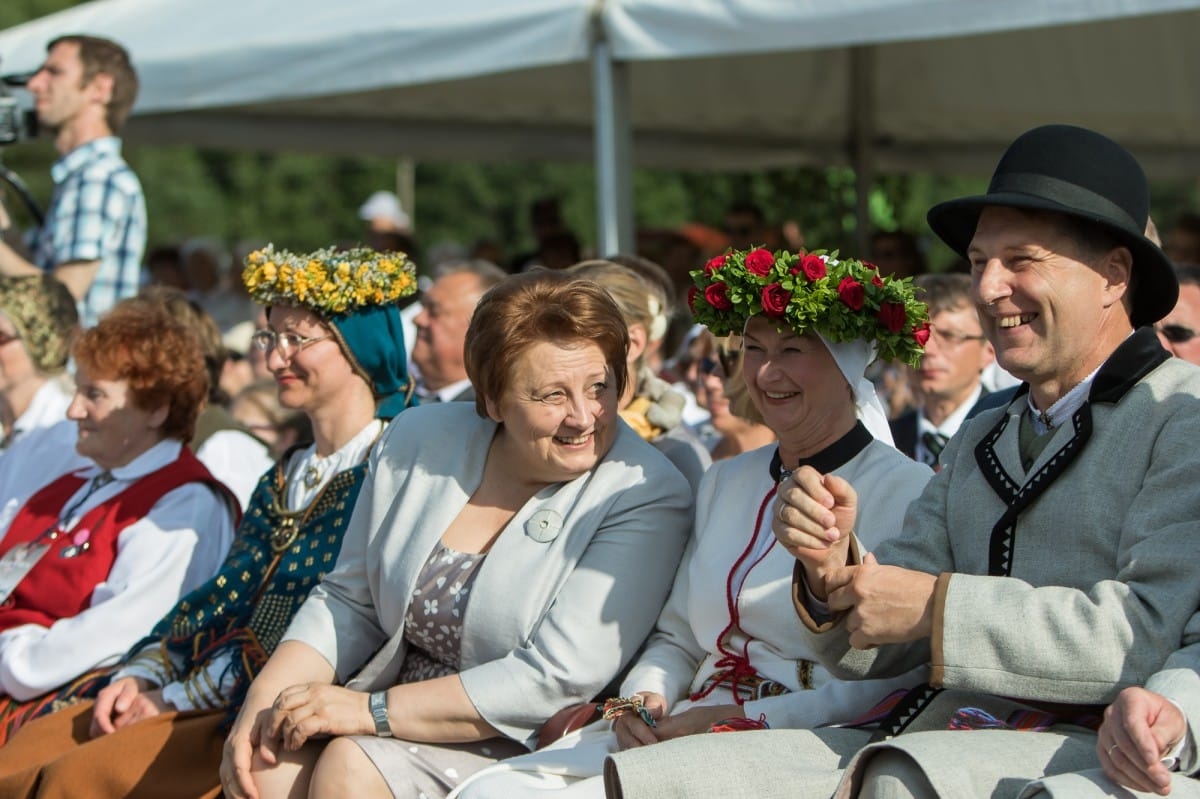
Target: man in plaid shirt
95 228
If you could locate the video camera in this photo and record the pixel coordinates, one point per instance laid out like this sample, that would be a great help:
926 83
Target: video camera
17 123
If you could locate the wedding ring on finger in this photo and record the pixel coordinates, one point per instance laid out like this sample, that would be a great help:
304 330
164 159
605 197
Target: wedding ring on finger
1113 748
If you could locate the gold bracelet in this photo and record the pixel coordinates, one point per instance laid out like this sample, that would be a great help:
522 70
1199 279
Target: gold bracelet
618 706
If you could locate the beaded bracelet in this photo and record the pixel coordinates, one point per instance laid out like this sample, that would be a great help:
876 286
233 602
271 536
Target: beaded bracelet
618 706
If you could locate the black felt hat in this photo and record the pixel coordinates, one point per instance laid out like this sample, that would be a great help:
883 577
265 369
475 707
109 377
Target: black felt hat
1082 174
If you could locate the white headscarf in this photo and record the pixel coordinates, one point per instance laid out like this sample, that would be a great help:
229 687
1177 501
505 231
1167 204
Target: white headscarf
852 358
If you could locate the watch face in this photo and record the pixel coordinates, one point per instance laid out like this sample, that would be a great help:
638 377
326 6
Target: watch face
378 706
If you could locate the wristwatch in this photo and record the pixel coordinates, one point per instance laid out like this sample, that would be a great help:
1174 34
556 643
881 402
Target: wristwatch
378 705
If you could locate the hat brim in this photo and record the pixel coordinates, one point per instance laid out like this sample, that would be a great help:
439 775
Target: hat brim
1156 288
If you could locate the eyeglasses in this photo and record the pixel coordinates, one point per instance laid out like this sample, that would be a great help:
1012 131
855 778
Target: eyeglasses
1176 334
287 344
951 338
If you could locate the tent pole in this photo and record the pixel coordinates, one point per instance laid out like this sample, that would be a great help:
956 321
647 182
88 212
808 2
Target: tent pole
613 145
406 186
862 133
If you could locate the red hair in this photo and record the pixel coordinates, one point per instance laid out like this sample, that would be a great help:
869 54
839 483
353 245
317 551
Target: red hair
156 355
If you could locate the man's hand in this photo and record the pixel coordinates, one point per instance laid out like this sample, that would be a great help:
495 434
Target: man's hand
887 604
1139 729
813 518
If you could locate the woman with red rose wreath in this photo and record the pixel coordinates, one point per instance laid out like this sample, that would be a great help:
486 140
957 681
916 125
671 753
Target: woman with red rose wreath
727 652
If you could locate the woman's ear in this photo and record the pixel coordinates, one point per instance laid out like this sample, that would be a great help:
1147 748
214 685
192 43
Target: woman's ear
637 342
493 410
158 417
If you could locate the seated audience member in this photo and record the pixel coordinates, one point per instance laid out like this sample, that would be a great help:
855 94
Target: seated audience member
231 453
545 220
238 371
257 408
93 559
735 422
441 324
897 253
746 226
732 658
159 726
38 320
1179 331
649 405
415 662
947 379
661 294
1048 565
164 267
385 218
1182 241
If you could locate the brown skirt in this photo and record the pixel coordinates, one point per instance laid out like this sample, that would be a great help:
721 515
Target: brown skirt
170 755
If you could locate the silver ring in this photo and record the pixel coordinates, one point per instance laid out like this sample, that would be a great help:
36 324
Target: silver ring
779 512
1111 748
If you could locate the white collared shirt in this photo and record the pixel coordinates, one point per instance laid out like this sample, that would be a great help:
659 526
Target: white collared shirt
445 393
174 548
1063 408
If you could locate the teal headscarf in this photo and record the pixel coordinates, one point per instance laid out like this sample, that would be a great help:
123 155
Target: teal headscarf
372 339
356 292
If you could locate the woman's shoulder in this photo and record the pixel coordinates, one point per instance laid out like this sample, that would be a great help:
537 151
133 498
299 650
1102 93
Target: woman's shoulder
440 423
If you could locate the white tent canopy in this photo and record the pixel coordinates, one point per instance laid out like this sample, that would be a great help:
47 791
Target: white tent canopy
882 84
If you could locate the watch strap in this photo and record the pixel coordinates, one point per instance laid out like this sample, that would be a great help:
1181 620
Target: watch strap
377 703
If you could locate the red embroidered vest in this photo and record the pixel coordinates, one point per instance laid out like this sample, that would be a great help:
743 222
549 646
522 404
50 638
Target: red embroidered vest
59 587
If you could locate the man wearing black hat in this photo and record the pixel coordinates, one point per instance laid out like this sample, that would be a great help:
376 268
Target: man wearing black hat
1048 565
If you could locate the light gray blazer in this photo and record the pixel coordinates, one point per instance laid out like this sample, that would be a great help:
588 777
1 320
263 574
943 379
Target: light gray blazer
562 601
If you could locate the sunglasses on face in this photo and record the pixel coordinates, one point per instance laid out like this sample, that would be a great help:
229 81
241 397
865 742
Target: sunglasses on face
1176 334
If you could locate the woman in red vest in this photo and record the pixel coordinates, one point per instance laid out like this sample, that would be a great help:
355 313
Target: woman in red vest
94 558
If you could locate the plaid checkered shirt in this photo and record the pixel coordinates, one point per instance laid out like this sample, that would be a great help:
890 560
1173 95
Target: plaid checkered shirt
97 212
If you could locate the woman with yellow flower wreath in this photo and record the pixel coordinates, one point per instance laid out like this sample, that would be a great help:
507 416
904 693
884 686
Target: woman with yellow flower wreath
335 346
727 653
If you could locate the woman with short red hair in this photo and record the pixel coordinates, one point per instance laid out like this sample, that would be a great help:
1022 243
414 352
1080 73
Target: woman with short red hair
92 560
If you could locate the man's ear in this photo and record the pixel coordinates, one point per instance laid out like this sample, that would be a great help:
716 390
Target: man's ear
1117 269
100 88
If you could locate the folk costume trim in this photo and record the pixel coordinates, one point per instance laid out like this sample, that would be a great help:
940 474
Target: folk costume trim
1135 358
61 584
733 668
258 589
